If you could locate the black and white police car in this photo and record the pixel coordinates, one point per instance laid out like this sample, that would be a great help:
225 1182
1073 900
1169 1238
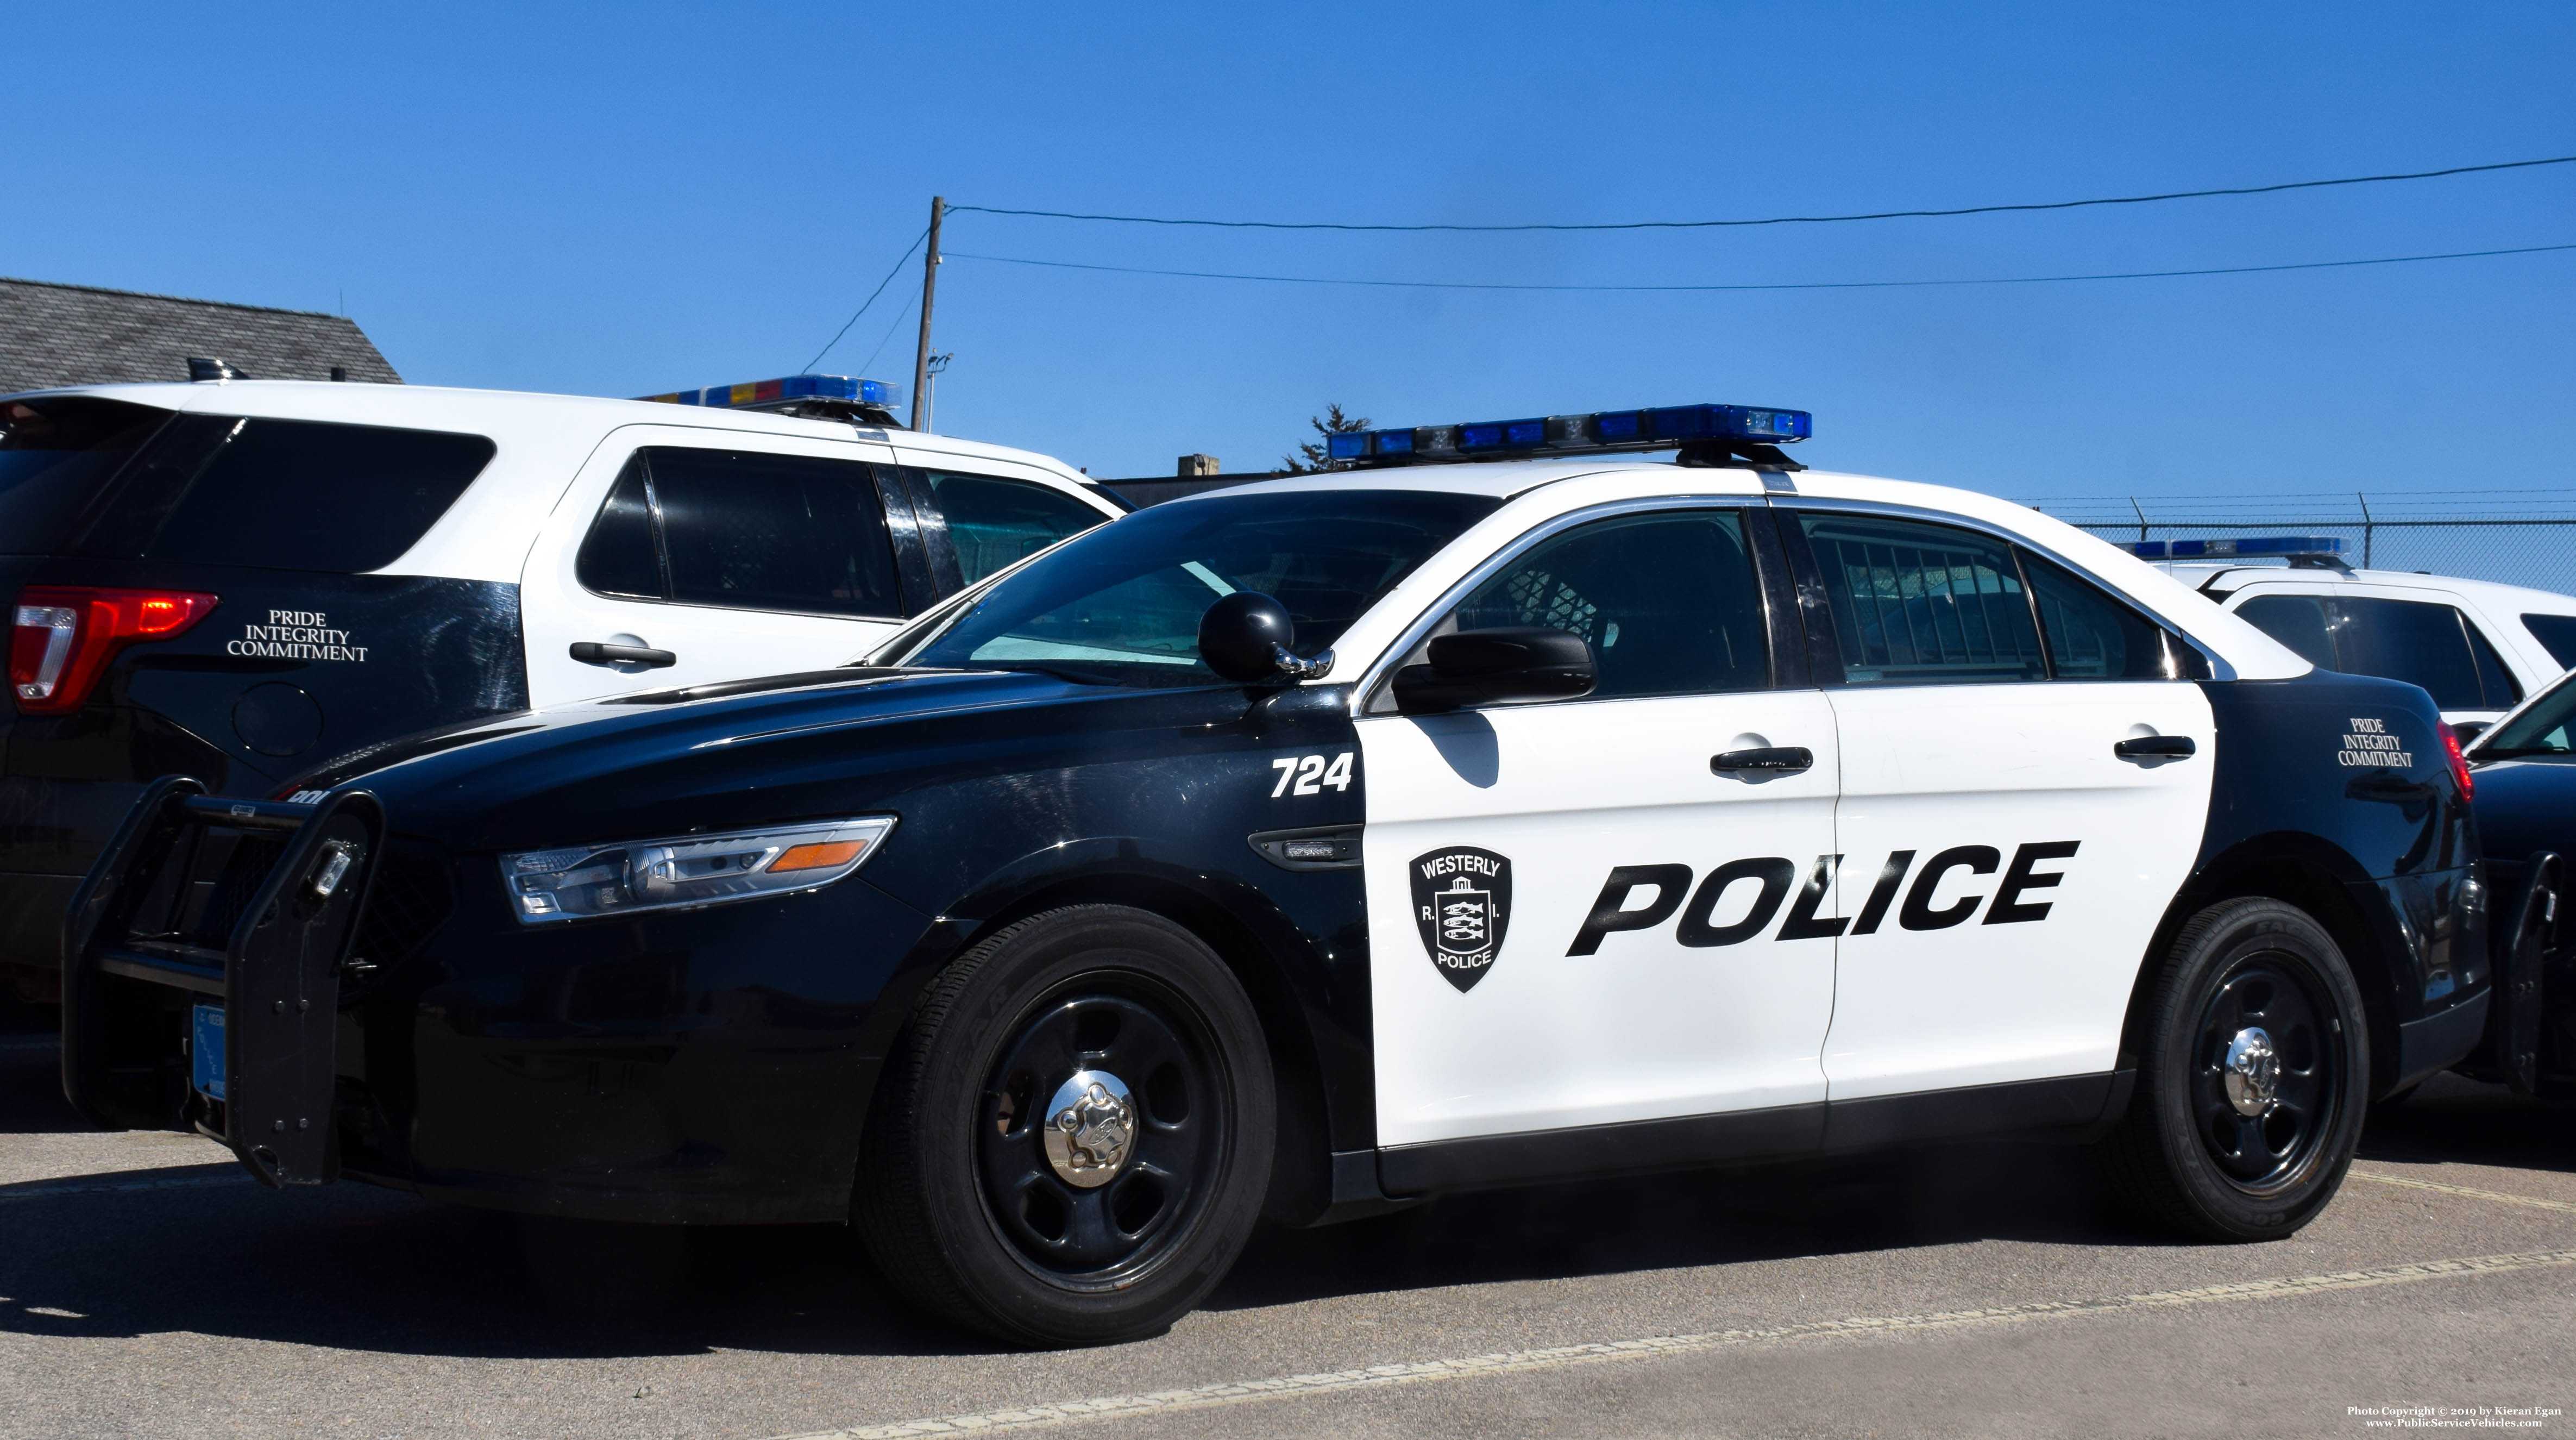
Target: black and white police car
235 579
1299 849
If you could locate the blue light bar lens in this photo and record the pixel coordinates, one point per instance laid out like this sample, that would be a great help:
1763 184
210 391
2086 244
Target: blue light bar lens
1607 430
2236 546
792 387
1730 422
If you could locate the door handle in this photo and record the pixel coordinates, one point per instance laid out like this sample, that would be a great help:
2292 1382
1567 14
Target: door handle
592 652
2156 747
1768 760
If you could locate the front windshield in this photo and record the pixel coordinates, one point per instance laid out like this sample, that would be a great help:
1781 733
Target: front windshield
2547 727
1121 604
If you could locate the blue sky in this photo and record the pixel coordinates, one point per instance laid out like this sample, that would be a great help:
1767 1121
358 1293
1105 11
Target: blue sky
622 200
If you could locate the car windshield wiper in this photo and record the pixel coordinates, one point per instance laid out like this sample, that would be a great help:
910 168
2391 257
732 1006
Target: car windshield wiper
2516 752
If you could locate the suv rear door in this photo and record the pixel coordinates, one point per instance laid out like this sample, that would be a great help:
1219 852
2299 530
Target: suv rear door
733 553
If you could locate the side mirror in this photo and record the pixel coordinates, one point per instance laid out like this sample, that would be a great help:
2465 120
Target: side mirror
2468 730
1245 638
1484 667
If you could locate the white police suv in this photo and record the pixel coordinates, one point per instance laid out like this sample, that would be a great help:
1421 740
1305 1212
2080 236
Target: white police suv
2477 647
238 579
1312 846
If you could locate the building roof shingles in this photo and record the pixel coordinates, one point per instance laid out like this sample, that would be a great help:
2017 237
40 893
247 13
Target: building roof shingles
54 335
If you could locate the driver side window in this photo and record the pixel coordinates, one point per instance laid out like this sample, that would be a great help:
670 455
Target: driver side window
1669 603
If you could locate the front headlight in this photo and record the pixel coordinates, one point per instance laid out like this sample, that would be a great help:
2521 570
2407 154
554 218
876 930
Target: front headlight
687 871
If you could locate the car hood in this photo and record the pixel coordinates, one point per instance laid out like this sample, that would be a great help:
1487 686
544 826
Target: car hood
814 746
2526 805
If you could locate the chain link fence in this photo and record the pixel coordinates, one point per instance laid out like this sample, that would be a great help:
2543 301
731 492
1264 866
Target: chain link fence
2512 537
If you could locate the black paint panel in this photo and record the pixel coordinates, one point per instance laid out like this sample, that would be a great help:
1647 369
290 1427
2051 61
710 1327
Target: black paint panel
2398 841
436 652
670 1066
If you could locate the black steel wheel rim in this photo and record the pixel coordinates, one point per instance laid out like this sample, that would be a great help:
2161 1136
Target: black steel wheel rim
2272 1149
1137 1029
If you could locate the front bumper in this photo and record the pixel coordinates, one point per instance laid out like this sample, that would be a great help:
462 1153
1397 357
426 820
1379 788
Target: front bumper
146 942
707 1065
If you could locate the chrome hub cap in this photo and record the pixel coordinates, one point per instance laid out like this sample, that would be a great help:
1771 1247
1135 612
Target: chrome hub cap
2253 1071
1090 1129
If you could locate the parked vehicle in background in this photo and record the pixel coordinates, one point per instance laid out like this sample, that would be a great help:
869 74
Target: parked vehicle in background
2524 773
239 580
2478 648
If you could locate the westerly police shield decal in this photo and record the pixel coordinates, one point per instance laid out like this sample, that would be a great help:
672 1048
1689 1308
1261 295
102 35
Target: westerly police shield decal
1462 899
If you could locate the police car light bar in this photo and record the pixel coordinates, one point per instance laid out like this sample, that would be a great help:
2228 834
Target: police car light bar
1719 427
793 387
2240 547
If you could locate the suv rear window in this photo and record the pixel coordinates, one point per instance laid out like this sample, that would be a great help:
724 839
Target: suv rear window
55 455
284 494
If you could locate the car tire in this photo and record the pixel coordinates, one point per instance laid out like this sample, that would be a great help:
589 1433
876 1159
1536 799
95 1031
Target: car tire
2211 1146
997 1191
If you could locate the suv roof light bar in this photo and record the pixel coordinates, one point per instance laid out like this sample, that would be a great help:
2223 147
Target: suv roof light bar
1705 434
839 397
2269 547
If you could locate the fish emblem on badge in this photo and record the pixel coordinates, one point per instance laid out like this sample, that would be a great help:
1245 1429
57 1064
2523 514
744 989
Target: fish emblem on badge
1462 899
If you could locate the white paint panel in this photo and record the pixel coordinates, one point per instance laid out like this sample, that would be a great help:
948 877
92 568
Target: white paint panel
1927 768
1645 1028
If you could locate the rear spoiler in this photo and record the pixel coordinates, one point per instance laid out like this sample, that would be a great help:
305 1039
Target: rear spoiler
147 942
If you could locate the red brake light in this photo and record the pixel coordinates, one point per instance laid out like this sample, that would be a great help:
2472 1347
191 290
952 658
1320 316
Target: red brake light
64 635
2459 763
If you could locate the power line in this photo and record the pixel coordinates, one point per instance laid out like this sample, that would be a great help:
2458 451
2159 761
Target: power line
871 300
1794 219
1805 285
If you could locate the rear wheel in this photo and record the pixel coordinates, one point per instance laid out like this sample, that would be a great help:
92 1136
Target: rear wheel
2249 1095
1071 1142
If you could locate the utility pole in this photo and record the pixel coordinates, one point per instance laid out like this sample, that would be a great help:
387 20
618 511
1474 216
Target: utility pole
929 287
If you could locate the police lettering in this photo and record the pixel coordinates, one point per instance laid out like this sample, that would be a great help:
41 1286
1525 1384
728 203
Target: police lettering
1947 875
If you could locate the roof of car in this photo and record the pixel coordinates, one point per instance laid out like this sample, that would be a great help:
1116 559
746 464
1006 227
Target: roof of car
440 407
542 443
2231 578
1523 484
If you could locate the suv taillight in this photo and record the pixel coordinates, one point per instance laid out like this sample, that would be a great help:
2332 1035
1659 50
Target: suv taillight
2459 763
64 636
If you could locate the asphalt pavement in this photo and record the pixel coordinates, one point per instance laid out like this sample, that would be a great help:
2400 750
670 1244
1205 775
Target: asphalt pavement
148 1287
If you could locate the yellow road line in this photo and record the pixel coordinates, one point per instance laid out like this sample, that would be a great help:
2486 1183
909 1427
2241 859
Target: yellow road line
2501 1197
1292 1387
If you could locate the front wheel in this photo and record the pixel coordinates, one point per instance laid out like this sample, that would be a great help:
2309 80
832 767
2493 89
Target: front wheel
2250 1087
1071 1142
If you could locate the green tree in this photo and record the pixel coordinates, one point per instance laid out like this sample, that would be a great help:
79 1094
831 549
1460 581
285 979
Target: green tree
1315 455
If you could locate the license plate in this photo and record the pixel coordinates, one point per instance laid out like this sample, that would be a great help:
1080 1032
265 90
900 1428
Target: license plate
206 1051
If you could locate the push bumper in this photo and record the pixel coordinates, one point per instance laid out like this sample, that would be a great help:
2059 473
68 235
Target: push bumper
242 907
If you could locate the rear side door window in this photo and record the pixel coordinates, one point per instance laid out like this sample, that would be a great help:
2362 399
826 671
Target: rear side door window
994 522
744 530
1920 604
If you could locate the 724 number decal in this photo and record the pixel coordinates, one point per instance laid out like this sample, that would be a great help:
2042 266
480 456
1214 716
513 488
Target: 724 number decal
1310 773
